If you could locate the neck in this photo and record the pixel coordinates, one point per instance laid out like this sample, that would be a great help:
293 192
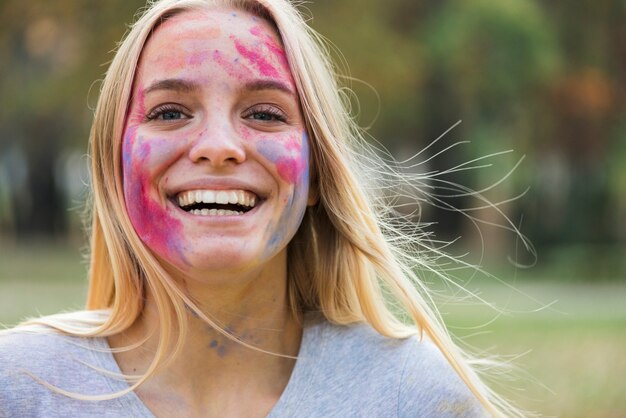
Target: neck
255 311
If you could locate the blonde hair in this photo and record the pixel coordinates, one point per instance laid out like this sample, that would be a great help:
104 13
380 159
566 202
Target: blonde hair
346 261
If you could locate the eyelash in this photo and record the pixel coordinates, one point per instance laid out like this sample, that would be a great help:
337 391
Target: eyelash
272 111
166 108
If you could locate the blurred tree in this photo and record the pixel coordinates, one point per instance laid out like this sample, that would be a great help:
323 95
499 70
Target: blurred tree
383 59
50 54
488 64
547 79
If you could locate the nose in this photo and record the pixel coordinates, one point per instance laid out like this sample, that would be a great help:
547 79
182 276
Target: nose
219 147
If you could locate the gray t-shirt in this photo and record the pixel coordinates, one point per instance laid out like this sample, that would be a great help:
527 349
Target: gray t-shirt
341 371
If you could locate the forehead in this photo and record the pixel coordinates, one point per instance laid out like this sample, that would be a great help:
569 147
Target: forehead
191 39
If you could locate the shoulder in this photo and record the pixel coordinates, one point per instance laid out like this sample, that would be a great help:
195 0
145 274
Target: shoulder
362 347
35 344
34 358
430 384
38 351
406 377
29 345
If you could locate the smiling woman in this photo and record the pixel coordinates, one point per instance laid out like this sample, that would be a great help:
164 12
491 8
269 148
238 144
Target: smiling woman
238 267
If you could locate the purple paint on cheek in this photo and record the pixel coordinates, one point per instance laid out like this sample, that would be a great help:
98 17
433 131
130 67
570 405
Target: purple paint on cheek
158 230
290 220
256 59
287 158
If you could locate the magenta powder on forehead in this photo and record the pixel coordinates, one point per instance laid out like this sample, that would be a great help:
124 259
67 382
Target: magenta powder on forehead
256 59
271 45
198 58
234 70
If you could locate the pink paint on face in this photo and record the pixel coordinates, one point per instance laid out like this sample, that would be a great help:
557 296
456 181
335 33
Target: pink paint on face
287 155
235 124
231 68
275 48
291 167
145 210
257 59
135 116
198 58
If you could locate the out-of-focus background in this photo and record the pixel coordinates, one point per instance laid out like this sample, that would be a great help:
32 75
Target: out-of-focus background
546 80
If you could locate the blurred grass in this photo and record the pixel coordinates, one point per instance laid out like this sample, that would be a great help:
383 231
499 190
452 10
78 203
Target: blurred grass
39 279
573 334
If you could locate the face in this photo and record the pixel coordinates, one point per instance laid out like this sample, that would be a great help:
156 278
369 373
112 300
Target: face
215 151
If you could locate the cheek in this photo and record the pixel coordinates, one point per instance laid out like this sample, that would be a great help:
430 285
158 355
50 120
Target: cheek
290 156
142 160
292 165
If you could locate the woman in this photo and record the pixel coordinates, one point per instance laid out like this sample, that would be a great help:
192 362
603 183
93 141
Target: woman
238 267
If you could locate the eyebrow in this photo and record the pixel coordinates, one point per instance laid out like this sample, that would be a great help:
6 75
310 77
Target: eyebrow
258 85
186 86
176 84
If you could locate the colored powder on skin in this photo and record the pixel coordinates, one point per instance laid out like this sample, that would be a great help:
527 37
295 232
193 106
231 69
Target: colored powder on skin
172 62
256 31
198 58
256 59
213 33
151 222
129 136
271 45
289 167
138 115
290 220
235 70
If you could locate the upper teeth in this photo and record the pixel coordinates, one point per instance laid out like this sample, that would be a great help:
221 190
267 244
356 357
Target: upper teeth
222 197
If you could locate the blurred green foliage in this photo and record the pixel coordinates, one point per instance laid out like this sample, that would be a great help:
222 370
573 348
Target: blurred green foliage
545 79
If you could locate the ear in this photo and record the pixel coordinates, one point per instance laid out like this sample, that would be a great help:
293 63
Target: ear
314 195
314 189
314 186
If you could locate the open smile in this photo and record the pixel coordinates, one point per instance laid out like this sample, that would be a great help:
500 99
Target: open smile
216 202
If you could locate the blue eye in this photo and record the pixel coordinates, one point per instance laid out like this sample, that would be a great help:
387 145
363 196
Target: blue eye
170 115
168 112
263 116
265 113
